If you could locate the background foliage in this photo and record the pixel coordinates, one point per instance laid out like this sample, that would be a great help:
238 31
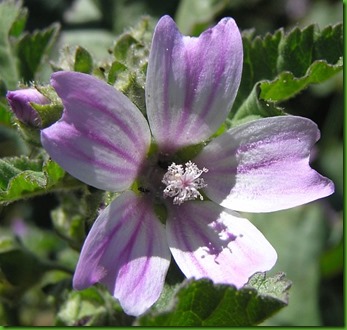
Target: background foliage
297 68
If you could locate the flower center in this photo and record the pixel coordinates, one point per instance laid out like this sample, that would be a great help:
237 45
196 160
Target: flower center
183 183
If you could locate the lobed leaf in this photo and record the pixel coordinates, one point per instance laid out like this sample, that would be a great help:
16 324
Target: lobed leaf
286 63
286 85
21 177
201 303
32 49
21 54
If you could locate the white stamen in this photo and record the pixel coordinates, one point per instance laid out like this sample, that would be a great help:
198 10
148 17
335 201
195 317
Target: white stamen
183 184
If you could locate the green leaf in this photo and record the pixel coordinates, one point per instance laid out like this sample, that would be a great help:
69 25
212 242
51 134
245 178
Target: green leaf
33 48
10 12
286 85
295 51
10 167
53 172
125 47
287 63
76 208
19 24
21 177
116 70
128 72
132 47
328 44
91 307
332 261
260 61
253 108
5 114
201 303
83 61
48 113
20 267
276 286
83 305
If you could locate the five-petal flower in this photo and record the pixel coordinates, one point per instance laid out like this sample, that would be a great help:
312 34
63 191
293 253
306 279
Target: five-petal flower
104 140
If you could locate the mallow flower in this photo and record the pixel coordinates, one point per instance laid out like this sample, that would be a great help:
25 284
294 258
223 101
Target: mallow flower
169 204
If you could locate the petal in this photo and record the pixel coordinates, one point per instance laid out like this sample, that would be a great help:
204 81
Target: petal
207 240
263 166
101 138
191 82
127 251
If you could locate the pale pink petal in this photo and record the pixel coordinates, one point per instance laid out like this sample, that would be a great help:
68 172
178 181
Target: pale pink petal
102 138
208 241
191 82
126 250
263 166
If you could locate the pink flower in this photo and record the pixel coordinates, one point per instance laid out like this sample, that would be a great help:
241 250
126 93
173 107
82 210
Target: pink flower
168 204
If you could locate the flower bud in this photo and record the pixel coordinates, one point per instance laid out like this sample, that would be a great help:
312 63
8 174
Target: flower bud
20 100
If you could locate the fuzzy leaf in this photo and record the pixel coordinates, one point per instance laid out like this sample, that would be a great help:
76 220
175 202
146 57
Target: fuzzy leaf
201 303
128 72
276 286
125 46
32 49
91 307
21 177
74 211
295 51
287 63
286 85
116 70
48 113
83 61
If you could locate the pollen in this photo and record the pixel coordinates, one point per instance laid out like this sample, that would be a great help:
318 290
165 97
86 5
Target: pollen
183 183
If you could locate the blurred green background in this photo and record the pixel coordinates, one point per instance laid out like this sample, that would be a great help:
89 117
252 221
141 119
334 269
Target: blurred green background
309 239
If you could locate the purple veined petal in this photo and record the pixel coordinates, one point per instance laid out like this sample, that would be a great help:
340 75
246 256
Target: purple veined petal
102 138
191 82
126 250
208 241
263 166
